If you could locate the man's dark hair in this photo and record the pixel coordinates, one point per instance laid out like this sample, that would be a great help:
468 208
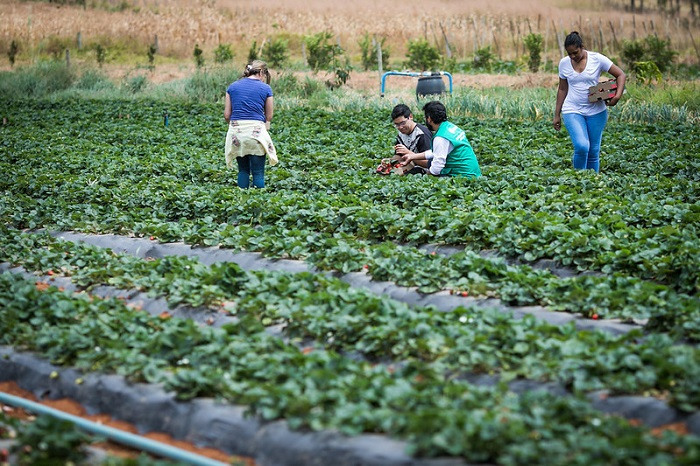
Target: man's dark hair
574 38
436 111
400 110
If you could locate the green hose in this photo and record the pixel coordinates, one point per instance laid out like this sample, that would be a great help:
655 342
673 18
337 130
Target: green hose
119 436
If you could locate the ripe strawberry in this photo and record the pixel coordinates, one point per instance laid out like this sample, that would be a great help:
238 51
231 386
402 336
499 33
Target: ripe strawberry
594 317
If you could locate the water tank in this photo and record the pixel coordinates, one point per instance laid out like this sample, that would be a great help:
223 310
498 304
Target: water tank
428 85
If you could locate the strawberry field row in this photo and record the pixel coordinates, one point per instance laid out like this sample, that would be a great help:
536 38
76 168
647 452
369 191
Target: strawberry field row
128 175
344 319
321 389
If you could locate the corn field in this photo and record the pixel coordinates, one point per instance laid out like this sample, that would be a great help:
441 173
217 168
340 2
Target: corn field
457 28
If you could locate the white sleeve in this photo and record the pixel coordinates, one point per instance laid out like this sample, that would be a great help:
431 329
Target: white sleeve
441 147
605 62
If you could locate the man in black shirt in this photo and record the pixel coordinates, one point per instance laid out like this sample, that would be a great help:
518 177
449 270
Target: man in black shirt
411 135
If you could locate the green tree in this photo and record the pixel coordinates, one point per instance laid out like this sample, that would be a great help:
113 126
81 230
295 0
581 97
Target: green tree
223 53
253 51
534 43
483 59
100 53
320 52
422 55
12 53
198 56
275 52
152 56
368 47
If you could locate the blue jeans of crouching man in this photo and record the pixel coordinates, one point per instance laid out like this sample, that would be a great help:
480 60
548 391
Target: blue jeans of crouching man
248 164
586 133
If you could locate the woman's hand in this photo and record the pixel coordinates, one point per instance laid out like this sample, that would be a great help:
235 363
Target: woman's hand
612 102
557 122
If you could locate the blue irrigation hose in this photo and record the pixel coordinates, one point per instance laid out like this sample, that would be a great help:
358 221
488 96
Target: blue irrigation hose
118 436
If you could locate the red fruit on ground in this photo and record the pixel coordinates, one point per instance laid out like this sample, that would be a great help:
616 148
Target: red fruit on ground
594 317
465 294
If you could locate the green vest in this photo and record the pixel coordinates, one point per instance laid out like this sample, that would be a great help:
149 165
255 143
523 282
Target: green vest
462 160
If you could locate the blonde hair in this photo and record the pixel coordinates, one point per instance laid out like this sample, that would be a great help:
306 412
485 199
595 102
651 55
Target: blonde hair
257 67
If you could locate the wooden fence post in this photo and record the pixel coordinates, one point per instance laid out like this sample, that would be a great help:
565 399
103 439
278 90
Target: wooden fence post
380 65
448 50
612 28
67 58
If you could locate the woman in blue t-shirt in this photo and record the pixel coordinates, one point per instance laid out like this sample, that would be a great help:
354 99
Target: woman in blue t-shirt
248 110
584 120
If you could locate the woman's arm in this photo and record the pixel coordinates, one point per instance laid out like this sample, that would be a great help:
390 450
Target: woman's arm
269 111
561 95
620 77
227 108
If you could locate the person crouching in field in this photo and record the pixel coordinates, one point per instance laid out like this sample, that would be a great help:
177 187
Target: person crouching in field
584 120
451 154
410 135
248 110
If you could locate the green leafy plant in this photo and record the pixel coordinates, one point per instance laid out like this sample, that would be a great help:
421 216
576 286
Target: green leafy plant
152 56
320 52
198 55
422 56
649 49
533 43
368 48
275 52
483 58
223 53
647 72
12 52
253 52
50 439
100 54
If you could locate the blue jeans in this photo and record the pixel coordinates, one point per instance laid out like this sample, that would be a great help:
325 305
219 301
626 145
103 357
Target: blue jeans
586 133
248 164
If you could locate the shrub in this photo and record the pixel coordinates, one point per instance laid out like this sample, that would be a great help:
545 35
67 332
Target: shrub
12 53
253 52
55 46
533 43
92 80
198 56
659 52
320 53
368 46
209 86
651 48
38 80
223 53
483 58
100 54
289 86
275 53
422 55
135 84
152 56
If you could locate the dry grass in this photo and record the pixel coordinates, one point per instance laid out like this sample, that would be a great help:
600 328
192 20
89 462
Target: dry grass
467 25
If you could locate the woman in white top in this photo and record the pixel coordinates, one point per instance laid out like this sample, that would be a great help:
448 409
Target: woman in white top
584 120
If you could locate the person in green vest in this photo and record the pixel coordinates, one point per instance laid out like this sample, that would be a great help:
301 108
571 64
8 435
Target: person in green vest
450 154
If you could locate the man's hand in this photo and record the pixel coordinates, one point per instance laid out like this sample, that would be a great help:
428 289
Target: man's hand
405 154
